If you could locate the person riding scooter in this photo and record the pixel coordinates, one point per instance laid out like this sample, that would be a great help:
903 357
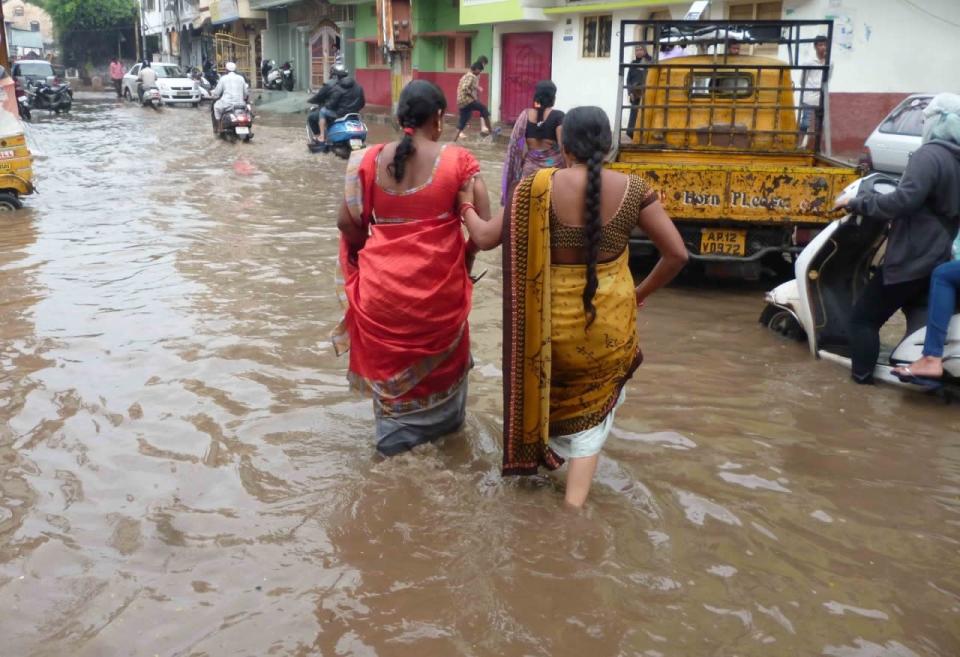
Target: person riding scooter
231 90
340 96
146 78
924 212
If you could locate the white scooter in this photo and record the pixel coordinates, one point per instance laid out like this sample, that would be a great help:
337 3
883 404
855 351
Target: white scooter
830 274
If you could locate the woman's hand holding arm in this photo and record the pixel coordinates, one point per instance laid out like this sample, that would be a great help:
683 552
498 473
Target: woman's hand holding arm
673 253
484 230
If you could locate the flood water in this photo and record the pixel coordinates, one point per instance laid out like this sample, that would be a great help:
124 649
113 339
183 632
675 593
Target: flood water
184 472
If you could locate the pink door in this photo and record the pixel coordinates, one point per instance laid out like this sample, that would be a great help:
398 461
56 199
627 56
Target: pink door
526 61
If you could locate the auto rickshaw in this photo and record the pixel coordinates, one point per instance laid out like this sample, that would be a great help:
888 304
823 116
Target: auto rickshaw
16 163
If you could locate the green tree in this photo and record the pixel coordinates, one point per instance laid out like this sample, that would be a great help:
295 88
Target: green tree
89 30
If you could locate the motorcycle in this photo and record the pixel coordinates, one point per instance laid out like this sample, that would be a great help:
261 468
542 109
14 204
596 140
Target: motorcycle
345 135
235 123
51 95
201 84
23 102
277 78
830 273
151 97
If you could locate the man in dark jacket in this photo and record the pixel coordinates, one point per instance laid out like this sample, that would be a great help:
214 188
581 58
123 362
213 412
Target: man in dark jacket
340 96
924 212
636 82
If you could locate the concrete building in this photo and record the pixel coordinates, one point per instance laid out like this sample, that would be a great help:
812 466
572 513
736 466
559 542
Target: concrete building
883 50
20 15
442 51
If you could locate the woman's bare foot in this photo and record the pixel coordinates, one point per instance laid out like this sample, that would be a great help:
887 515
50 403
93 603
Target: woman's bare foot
930 367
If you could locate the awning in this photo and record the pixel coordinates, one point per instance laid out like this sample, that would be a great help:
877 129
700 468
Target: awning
581 8
448 34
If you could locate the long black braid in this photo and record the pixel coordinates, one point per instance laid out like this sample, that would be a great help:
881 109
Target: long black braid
420 101
586 136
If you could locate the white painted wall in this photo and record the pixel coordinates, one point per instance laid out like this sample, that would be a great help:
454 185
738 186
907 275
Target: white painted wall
895 46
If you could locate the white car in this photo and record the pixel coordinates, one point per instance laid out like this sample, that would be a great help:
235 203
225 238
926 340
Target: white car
174 84
891 144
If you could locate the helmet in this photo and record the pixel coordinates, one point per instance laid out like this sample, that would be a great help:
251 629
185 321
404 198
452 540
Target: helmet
339 71
231 67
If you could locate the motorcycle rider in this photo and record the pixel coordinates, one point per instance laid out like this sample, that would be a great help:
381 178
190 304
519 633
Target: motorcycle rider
146 78
232 89
265 67
210 73
340 96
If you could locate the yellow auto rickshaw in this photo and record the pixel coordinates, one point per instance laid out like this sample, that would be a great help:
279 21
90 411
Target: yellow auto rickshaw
16 163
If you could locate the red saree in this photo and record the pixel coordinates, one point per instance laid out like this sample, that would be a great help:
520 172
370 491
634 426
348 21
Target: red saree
408 294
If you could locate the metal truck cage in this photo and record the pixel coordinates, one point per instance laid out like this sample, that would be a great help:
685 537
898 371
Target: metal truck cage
745 103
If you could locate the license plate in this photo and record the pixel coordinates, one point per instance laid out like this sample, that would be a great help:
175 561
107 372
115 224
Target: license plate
241 130
356 143
723 242
183 94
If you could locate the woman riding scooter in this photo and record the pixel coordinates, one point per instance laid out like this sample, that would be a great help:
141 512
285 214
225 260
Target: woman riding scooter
924 212
941 122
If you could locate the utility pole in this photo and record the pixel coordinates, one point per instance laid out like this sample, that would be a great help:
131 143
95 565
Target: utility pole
4 54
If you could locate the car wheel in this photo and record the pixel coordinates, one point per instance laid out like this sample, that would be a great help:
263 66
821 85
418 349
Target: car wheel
9 202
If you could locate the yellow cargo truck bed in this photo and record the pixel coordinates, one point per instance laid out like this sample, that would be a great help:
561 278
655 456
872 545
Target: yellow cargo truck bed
731 188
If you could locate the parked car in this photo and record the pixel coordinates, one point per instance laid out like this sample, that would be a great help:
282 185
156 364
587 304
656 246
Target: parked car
28 71
891 144
174 83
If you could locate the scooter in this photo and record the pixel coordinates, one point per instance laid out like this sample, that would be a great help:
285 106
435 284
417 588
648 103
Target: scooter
277 78
345 135
830 274
235 123
151 97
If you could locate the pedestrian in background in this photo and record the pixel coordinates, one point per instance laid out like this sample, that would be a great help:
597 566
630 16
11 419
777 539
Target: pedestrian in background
924 215
811 82
116 76
535 140
636 83
468 99
570 305
407 287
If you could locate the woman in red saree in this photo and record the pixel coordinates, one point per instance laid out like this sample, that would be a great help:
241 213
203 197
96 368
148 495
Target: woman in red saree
405 281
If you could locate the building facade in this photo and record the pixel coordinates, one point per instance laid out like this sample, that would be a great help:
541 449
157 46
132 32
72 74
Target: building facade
883 50
441 51
20 15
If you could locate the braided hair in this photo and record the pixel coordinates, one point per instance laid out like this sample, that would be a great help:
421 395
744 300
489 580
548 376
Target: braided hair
419 102
587 137
544 96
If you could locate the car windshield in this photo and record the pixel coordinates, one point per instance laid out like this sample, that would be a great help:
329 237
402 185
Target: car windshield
35 69
906 119
168 71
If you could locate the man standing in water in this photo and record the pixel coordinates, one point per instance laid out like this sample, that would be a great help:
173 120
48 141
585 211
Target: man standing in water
116 76
468 100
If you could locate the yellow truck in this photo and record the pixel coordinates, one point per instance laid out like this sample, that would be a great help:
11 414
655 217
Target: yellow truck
714 126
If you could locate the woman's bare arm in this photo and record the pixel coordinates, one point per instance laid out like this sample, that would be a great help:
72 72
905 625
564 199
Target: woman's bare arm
355 235
484 230
673 254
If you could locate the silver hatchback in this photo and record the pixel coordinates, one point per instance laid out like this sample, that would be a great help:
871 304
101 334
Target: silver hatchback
892 143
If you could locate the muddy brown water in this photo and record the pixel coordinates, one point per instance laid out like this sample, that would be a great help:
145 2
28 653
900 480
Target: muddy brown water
184 472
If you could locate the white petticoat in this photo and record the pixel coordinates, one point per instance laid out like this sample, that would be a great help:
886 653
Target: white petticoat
588 442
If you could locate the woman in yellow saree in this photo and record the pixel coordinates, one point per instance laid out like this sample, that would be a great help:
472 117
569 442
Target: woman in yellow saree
570 306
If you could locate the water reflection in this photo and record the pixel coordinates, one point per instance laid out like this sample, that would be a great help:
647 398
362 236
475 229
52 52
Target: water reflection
184 471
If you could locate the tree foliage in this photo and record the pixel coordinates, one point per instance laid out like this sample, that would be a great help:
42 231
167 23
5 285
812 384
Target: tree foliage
88 29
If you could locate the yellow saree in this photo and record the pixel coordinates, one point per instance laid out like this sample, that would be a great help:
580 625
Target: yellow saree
560 376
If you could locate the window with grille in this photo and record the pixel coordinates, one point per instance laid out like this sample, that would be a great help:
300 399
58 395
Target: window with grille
34 26
759 11
18 11
458 53
597 31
